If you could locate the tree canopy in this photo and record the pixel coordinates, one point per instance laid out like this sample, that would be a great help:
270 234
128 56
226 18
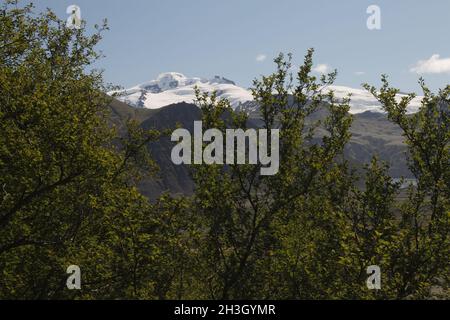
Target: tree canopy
69 189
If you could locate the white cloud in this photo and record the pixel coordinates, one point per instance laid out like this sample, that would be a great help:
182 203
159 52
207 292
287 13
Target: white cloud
261 57
321 68
433 65
360 73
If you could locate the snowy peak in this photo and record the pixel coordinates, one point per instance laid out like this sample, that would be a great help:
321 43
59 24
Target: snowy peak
165 81
170 80
221 80
174 87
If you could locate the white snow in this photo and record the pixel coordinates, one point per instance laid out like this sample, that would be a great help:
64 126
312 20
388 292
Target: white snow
174 87
362 100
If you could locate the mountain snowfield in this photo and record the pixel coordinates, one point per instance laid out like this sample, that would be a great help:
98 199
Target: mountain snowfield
174 87
362 100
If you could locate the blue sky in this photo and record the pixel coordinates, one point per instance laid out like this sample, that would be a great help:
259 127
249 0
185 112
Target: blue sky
204 38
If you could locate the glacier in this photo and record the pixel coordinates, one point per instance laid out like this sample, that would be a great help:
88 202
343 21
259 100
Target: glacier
174 87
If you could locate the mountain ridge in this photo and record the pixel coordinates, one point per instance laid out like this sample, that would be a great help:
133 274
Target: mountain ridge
174 87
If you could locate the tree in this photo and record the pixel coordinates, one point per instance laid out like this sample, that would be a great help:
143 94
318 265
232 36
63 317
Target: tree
68 180
68 189
418 255
309 232
253 222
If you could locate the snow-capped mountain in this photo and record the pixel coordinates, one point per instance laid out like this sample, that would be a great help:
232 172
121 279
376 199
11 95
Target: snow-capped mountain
362 100
173 87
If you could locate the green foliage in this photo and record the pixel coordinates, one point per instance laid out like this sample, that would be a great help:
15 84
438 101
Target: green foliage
68 189
420 257
309 232
68 180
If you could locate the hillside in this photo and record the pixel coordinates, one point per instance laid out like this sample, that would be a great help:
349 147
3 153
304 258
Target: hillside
371 132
